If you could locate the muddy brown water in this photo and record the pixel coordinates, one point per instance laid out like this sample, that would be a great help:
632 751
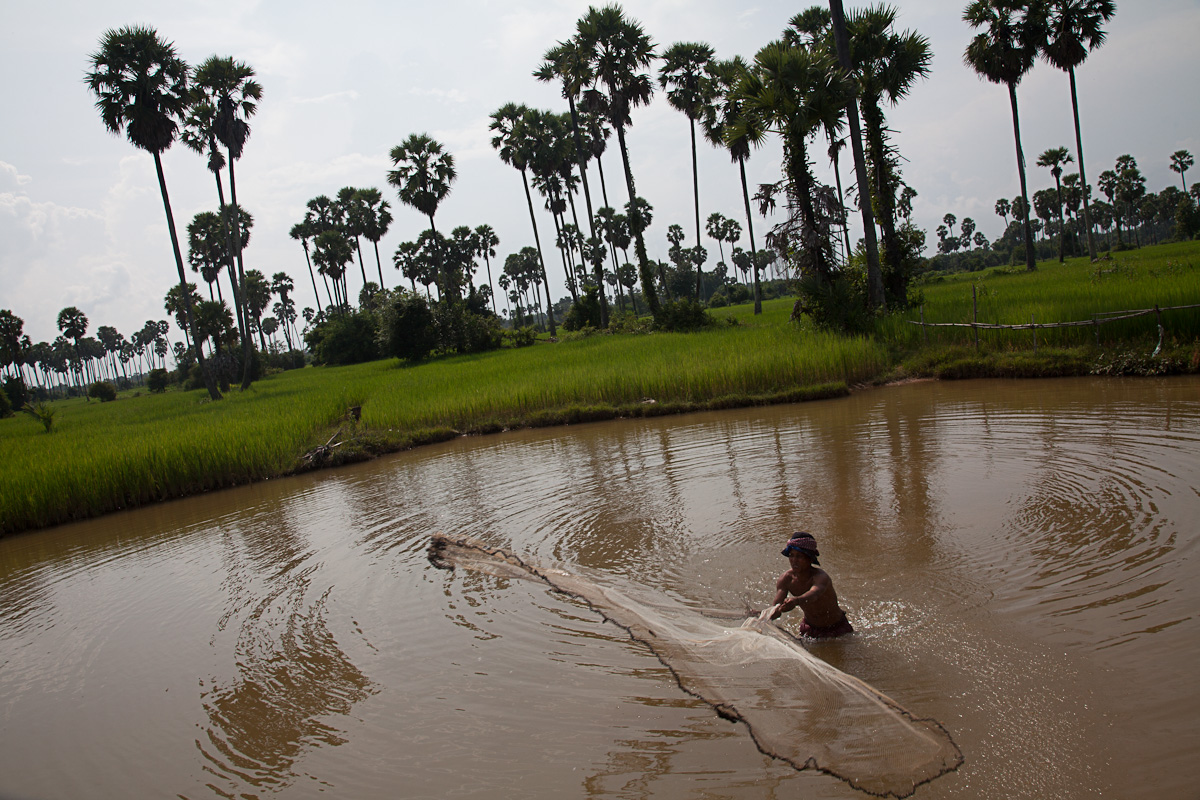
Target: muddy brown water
1020 560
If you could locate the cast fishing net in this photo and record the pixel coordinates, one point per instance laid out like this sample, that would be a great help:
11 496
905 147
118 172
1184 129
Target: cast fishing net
797 708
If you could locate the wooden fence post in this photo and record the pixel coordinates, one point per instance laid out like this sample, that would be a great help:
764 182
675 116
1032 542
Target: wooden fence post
1158 317
975 315
1033 327
924 334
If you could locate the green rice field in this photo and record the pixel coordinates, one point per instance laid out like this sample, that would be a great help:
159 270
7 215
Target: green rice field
143 448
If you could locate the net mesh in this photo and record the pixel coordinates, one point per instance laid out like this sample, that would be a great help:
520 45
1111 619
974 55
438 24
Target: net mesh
797 708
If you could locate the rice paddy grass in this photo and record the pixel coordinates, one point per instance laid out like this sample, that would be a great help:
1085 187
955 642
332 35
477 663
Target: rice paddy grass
101 457
1078 290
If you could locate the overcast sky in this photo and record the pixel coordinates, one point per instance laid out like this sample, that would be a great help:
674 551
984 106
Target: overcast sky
81 219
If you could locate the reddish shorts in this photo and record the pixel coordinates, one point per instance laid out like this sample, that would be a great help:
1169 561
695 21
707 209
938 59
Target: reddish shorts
813 632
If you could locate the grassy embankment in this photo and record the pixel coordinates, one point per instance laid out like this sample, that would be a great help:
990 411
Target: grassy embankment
102 457
1164 276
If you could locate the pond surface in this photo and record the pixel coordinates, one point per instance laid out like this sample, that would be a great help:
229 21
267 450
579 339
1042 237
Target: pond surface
1020 560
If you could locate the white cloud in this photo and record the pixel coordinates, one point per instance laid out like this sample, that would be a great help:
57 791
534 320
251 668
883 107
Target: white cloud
348 94
10 177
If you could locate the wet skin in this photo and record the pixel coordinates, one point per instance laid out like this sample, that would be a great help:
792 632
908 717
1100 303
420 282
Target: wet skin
811 590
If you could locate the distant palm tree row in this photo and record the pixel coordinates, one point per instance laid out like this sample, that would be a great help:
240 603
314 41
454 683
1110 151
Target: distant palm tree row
1130 210
75 359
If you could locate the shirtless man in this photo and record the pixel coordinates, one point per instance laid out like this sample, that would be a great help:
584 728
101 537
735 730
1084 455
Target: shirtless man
811 589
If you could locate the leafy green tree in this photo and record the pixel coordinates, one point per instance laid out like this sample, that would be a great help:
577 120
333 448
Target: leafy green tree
1073 29
618 52
422 176
1003 52
141 89
1181 162
1053 159
684 77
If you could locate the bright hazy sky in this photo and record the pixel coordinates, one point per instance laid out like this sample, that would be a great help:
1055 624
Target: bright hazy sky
81 219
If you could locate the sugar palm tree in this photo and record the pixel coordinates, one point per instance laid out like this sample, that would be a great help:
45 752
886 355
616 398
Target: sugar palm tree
516 139
353 213
1003 52
302 232
886 65
1181 162
568 63
422 176
199 135
74 324
730 125
1054 158
792 90
841 41
283 286
1073 29
230 87
511 142
485 245
377 218
141 88
684 77
619 52
207 248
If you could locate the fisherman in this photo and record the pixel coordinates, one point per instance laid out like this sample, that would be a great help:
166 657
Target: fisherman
811 590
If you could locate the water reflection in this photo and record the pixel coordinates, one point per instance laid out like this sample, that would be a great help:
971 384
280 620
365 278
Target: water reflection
1008 552
293 683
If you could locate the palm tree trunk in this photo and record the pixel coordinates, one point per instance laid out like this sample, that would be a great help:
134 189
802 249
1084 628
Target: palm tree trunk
361 267
568 265
873 122
696 198
750 229
230 267
649 291
378 263
247 343
491 287
537 241
1030 261
1062 227
209 383
837 176
1087 211
311 275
